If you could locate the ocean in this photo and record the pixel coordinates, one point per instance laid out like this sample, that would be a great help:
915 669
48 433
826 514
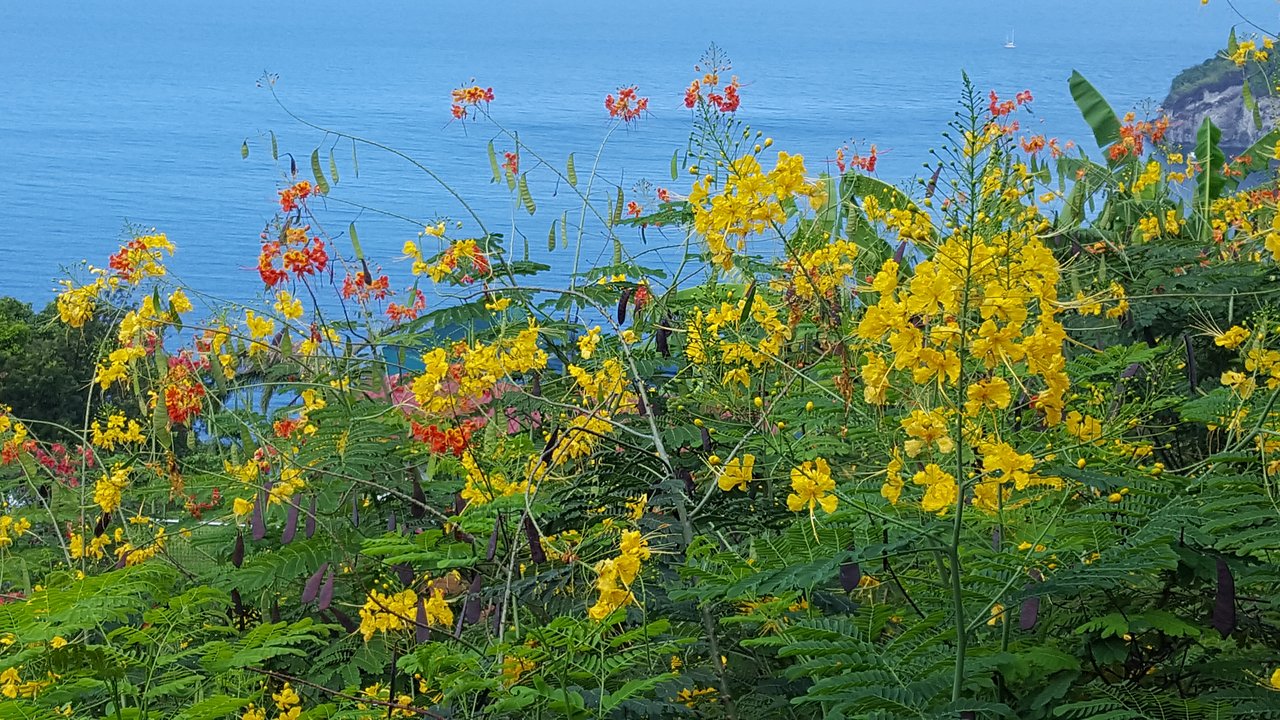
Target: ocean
133 114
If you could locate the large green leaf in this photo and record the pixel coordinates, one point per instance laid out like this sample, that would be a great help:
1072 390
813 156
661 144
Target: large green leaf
1096 110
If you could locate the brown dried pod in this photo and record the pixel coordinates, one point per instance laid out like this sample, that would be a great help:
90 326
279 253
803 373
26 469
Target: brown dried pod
536 553
237 553
421 630
290 523
850 576
419 507
259 521
471 609
312 588
344 620
623 299
309 528
404 573
326 592
1224 601
492 550
1029 613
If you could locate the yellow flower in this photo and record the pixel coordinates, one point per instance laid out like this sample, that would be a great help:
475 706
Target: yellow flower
992 394
737 473
588 343
288 306
241 507
179 303
1232 338
811 485
941 490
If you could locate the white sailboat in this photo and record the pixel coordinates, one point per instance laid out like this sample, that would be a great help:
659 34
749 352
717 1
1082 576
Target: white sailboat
1008 42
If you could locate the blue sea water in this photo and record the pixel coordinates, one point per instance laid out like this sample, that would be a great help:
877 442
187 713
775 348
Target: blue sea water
135 112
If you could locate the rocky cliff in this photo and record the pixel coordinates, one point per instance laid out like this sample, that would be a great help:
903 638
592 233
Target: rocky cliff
1215 89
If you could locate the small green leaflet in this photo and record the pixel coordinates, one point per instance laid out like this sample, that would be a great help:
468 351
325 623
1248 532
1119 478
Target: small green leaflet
333 167
355 241
525 196
321 184
244 149
572 172
675 165
275 151
493 163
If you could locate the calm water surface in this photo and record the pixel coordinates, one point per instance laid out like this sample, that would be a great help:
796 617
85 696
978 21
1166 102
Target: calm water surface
134 112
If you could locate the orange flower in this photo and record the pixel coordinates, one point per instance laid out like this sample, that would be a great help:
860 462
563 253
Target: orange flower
290 198
627 106
470 97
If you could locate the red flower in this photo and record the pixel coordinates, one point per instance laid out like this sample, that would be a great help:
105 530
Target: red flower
451 440
627 106
691 94
664 195
355 286
398 312
634 209
511 163
297 254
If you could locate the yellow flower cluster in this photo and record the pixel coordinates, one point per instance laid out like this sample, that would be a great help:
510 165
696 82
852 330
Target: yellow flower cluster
614 576
819 272
13 686
108 489
443 386
737 343
389 612
482 487
11 528
751 202
116 433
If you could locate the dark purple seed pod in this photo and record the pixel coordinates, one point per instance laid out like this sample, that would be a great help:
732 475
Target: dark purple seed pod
902 250
404 573
1029 613
1131 371
535 385
326 592
391 521
1224 601
312 588
548 450
661 339
850 576
290 523
623 299
497 617
641 407
536 553
309 528
1193 376
492 550
103 521
706 439
421 630
355 511
418 508
459 504
933 182
259 521
237 552
1036 575
687 477
344 620
124 559
471 609
275 611
997 539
